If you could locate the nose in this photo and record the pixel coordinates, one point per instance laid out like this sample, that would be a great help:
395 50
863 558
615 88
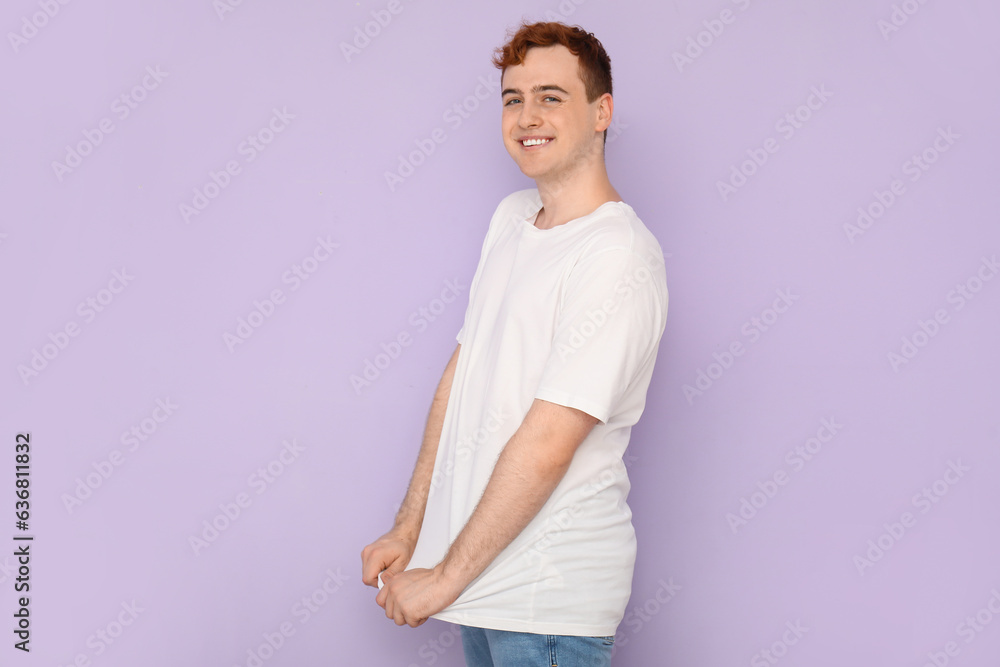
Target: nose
529 117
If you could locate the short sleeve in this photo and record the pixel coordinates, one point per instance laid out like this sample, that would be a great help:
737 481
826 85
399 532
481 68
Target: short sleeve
518 200
474 285
611 317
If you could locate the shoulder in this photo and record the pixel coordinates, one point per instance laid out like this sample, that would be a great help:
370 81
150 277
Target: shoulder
616 226
511 209
522 203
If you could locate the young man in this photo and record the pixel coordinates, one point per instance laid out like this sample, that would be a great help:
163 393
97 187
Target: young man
515 524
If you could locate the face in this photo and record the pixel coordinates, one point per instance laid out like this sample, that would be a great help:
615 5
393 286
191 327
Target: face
549 128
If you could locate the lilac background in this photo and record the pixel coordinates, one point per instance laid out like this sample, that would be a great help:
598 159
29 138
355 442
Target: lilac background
693 458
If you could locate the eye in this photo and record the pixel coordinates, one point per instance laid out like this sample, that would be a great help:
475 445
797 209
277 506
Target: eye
553 98
511 101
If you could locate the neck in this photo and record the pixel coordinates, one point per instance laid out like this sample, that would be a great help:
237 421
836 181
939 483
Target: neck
573 195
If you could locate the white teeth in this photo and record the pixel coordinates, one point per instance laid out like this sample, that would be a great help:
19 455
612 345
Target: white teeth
535 142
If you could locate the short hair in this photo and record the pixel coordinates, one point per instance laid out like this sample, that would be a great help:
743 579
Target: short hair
595 65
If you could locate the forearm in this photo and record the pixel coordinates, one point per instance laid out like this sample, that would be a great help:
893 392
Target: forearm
411 513
516 492
528 470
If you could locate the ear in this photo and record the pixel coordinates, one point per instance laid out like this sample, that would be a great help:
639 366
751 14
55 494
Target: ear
605 110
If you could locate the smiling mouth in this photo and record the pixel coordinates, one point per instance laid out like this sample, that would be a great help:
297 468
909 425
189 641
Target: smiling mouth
534 142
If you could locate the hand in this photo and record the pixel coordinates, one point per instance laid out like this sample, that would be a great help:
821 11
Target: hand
389 554
413 596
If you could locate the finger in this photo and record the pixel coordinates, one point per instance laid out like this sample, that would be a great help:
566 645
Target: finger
370 572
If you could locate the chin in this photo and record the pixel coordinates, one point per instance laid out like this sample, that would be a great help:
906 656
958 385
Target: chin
532 173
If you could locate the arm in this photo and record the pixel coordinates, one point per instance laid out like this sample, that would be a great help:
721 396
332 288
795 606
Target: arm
530 467
393 550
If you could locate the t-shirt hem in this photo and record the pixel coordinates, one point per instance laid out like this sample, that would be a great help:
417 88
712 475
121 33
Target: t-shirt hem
568 400
533 627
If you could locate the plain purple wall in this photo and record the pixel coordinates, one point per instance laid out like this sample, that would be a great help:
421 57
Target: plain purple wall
861 326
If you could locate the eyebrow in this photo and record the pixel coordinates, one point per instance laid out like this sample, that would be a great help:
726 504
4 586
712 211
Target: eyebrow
536 89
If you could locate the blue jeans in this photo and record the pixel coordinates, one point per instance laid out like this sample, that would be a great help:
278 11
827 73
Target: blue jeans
499 648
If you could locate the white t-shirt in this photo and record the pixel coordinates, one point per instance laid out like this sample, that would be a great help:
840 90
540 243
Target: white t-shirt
572 315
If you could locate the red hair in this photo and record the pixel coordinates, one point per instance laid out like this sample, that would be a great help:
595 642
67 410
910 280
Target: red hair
595 65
